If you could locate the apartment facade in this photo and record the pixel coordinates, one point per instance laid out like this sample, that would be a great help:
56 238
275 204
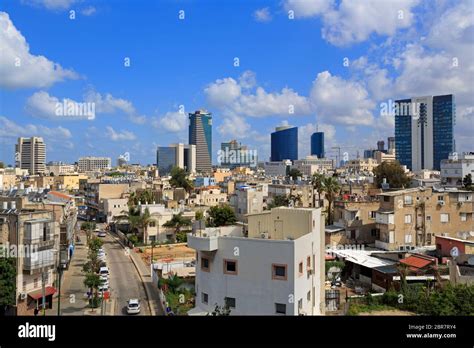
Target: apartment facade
96 192
312 165
33 233
30 154
455 168
207 196
246 201
412 218
278 269
91 164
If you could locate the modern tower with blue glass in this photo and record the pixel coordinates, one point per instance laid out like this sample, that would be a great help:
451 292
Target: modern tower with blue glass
200 134
317 144
284 142
424 131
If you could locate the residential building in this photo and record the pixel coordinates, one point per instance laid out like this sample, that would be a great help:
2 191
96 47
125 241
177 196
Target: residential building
388 156
284 144
92 164
221 174
207 196
204 181
411 218
311 165
424 131
176 155
36 239
280 168
361 165
246 200
455 168
30 154
302 195
59 168
317 144
200 135
114 207
276 269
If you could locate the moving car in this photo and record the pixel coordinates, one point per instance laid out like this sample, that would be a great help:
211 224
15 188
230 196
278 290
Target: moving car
133 306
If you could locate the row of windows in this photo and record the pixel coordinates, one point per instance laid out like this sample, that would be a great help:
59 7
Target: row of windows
444 217
279 271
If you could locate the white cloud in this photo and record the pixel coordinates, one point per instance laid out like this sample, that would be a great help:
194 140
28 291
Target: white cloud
120 135
262 15
21 69
51 4
43 105
172 121
355 21
108 104
88 11
235 127
10 129
341 101
227 94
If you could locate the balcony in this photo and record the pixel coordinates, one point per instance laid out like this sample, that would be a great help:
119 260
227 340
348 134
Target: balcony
204 240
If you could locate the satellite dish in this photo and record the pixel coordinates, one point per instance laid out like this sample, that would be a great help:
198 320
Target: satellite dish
454 252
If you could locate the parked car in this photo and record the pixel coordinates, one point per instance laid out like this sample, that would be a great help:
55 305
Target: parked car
133 306
104 287
103 270
101 234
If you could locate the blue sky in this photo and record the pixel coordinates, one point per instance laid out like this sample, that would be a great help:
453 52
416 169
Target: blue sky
332 62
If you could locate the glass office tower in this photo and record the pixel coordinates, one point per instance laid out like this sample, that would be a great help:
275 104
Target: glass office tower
317 144
200 134
165 159
284 143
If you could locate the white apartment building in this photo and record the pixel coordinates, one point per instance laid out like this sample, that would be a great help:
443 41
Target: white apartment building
89 164
207 196
454 169
30 154
312 164
245 201
278 269
59 168
114 207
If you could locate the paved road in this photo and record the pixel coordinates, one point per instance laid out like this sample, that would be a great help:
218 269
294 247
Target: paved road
124 280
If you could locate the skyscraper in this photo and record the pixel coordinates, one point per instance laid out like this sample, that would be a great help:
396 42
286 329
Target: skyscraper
233 154
391 144
284 143
424 131
30 153
317 144
381 145
176 155
200 134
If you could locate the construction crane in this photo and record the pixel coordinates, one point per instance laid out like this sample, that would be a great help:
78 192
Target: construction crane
338 148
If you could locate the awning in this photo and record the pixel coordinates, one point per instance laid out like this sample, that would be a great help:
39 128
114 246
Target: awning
35 295
197 311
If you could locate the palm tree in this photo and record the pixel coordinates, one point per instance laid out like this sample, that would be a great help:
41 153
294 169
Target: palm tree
143 223
332 188
176 222
317 182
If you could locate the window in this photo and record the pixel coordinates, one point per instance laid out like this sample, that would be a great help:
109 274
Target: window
152 224
408 200
372 214
440 198
408 238
230 267
408 218
300 268
205 264
204 298
444 217
386 198
463 216
229 302
428 218
279 272
308 262
300 303
280 308
308 296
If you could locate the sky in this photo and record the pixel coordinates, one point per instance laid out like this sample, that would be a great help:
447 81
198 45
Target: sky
329 65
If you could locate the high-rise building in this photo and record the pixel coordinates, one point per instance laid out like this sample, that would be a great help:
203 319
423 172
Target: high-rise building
424 131
233 154
200 134
381 145
391 144
90 164
317 144
176 155
30 153
284 142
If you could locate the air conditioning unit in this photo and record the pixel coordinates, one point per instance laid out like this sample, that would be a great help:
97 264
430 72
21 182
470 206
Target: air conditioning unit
401 248
23 296
264 235
441 203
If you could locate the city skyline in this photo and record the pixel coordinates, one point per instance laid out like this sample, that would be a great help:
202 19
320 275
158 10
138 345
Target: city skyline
137 98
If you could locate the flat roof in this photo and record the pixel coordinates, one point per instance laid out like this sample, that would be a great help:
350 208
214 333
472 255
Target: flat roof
333 229
361 257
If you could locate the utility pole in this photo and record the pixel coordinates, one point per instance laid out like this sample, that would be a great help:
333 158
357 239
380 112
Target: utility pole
60 273
43 285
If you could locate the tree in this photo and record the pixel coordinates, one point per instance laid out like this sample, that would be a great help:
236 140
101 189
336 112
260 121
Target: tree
317 182
221 216
279 201
294 173
199 215
467 182
7 283
144 222
179 178
88 225
332 188
93 282
393 172
177 222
